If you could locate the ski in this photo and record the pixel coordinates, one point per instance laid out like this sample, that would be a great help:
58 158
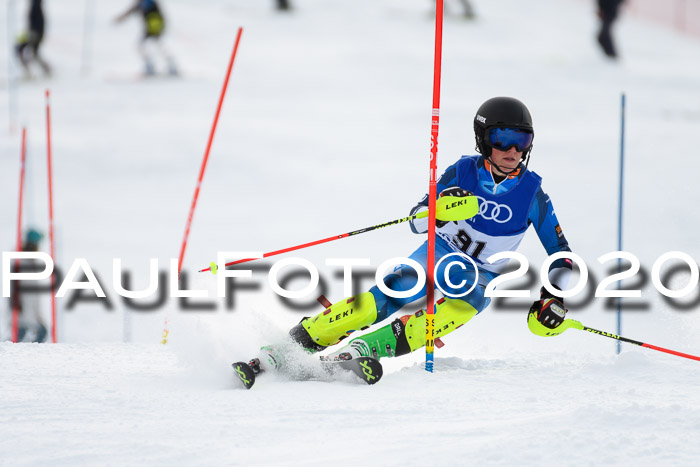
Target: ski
367 369
245 374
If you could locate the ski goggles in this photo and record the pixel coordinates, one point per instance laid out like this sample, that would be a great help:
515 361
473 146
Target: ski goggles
505 138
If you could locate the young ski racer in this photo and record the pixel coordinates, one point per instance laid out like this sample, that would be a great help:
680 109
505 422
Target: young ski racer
510 200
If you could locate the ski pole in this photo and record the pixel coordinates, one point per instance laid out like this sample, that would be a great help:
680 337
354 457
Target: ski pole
449 208
573 324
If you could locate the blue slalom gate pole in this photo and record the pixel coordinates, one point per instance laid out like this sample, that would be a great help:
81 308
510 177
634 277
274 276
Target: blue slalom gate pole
619 213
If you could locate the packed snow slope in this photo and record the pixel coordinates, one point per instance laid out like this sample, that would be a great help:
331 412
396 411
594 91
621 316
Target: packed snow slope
325 129
119 404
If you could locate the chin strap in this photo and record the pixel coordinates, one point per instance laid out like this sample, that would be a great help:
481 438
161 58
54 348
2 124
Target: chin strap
524 160
502 169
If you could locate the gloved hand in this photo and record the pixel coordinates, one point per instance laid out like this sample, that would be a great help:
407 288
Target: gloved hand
549 310
451 191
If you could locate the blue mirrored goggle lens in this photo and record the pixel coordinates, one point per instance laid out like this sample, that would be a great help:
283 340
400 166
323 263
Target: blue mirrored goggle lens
506 138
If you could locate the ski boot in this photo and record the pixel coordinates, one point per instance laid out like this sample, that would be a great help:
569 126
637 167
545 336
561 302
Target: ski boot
407 333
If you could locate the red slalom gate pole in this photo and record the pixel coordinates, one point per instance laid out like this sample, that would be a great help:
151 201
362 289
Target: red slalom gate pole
181 258
432 191
15 302
51 236
206 153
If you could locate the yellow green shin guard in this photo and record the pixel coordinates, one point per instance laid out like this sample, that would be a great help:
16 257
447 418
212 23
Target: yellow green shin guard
336 323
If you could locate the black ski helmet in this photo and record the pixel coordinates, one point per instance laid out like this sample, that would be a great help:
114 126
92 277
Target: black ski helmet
501 112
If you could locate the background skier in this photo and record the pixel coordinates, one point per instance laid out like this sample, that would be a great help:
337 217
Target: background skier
608 11
28 43
154 25
31 326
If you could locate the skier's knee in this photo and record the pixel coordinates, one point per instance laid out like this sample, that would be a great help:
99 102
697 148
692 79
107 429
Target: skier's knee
476 299
451 313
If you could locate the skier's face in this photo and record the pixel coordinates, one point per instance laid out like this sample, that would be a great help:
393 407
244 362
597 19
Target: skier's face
509 159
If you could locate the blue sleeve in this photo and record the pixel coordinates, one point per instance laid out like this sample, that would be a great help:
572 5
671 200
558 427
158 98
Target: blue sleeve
546 224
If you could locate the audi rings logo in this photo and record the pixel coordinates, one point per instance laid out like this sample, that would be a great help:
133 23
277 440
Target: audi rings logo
492 211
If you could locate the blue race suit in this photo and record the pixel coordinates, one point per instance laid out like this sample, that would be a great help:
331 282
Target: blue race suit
506 210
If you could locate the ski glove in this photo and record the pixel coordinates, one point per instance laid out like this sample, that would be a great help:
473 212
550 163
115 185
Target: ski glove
549 309
451 191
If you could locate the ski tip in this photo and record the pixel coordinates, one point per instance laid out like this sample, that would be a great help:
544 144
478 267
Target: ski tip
244 373
371 370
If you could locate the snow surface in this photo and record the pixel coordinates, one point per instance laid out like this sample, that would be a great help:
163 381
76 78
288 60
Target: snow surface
325 130
115 404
